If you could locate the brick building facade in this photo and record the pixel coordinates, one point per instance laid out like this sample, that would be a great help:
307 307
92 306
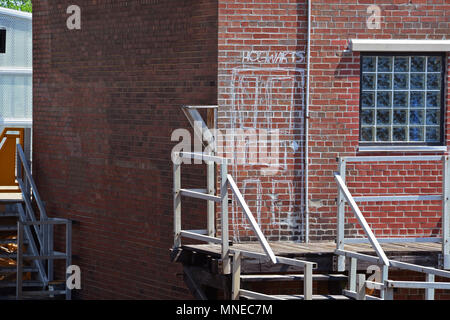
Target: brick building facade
107 98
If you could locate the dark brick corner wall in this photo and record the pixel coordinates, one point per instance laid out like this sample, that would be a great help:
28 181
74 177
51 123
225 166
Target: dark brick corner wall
106 100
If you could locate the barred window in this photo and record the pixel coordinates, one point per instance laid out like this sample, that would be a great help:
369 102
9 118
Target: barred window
402 99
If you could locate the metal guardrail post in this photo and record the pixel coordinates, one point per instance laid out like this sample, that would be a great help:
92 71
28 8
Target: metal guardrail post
68 255
177 203
210 176
19 261
224 216
307 281
340 232
50 266
236 276
385 293
361 286
352 274
389 293
429 292
446 212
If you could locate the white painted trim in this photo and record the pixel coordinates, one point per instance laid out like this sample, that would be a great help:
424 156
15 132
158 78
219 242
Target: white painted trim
16 13
402 148
387 45
24 71
16 122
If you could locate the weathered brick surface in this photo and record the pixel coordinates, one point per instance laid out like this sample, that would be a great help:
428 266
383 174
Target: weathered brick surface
261 88
106 100
334 117
253 39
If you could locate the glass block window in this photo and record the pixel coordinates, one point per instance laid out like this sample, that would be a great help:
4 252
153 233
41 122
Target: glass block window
402 99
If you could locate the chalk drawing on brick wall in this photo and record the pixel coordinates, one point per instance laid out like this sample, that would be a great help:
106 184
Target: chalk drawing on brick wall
261 96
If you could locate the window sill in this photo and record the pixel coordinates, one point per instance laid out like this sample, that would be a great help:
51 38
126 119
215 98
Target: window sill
402 149
394 45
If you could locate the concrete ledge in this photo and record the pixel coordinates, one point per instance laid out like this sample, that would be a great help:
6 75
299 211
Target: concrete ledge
389 45
402 149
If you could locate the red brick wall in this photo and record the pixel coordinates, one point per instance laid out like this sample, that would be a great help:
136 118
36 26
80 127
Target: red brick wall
334 117
261 88
251 38
106 100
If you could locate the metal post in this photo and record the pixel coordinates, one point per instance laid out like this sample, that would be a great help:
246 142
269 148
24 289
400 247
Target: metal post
236 277
389 294
429 292
68 255
352 274
44 238
18 165
307 281
446 213
224 216
386 290
361 286
50 251
210 186
341 217
177 203
19 262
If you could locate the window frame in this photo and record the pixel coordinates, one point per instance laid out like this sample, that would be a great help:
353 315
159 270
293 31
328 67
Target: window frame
443 108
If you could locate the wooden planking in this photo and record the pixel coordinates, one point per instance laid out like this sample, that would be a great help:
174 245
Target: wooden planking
300 249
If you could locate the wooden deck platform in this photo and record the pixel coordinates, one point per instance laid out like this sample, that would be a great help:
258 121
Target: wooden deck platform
422 253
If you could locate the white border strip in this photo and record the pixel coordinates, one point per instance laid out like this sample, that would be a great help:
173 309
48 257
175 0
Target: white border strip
20 71
386 45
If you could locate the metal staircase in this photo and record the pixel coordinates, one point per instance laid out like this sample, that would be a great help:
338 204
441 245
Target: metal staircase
27 244
356 284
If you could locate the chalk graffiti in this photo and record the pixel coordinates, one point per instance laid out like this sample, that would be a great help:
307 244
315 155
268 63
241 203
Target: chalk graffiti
270 98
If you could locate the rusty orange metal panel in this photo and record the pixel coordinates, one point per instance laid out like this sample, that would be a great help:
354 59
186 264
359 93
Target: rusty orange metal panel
8 140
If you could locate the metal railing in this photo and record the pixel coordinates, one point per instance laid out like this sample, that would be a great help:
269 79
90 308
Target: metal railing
444 197
40 227
357 283
24 231
231 258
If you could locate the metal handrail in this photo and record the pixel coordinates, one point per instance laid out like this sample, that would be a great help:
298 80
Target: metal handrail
386 286
33 247
24 230
362 221
43 227
251 219
444 196
24 164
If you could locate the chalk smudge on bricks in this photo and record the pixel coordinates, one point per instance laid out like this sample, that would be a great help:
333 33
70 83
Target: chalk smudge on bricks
266 87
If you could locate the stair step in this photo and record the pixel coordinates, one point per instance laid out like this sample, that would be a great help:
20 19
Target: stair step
8 228
14 269
36 295
8 241
8 214
54 256
44 293
252 295
291 277
26 283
